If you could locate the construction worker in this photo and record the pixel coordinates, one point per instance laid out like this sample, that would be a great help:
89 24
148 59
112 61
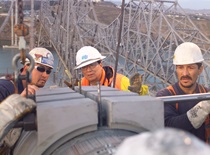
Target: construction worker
44 62
16 106
168 141
90 61
191 116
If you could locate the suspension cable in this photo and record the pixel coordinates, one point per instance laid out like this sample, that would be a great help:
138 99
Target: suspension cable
119 41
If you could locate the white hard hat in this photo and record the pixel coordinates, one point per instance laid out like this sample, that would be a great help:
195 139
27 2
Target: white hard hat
42 56
87 55
187 53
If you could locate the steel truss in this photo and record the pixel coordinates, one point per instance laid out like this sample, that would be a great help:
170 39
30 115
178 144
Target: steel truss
3 6
152 29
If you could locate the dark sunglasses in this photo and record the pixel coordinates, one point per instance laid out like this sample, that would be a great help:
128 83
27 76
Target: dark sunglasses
42 69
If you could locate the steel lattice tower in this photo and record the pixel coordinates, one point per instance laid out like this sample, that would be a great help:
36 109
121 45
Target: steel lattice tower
151 31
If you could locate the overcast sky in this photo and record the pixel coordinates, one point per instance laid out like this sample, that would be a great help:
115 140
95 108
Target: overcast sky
187 4
195 4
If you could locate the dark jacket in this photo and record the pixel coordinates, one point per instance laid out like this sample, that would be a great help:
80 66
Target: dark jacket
7 88
177 117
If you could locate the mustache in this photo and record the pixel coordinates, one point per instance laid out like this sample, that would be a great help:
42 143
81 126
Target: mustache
186 77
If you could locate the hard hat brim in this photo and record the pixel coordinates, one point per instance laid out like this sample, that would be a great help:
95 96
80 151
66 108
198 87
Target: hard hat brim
187 63
89 62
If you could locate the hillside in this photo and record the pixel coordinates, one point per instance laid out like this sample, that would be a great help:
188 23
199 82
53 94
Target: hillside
106 13
203 26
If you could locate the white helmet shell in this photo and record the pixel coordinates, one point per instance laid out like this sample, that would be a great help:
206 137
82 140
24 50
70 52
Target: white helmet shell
187 53
87 55
42 56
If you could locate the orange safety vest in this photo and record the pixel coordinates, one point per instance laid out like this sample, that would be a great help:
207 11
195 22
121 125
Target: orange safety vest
207 121
121 83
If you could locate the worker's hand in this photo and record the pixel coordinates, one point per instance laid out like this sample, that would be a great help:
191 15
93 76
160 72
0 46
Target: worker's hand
31 90
12 109
72 83
135 83
198 114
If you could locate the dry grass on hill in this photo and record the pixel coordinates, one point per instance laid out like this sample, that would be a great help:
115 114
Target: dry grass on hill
106 13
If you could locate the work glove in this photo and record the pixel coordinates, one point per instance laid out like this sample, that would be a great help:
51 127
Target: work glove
12 109
135 83
72 83
198 114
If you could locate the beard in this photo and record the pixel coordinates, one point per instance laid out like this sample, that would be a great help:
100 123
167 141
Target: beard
40 84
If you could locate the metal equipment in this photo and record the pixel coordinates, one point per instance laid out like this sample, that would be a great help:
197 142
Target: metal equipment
67 122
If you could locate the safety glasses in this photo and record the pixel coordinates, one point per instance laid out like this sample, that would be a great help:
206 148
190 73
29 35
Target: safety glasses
91 66
42 69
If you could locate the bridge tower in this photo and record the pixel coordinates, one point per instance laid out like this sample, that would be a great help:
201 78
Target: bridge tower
151 30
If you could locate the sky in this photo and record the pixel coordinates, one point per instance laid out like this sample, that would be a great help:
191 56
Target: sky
187 4
194 4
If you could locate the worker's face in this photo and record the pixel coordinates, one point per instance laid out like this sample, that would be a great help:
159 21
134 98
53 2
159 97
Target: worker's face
40 75
188 74
92 72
